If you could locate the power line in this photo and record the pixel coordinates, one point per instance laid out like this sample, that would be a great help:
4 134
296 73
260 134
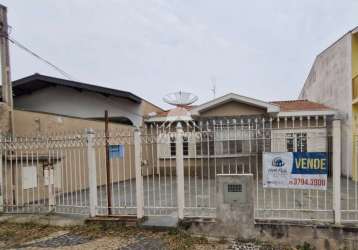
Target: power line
23 47
58 69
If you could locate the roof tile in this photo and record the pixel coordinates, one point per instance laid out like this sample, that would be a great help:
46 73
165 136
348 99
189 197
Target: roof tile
300 105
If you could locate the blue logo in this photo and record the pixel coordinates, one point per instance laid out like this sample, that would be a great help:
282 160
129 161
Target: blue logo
278 162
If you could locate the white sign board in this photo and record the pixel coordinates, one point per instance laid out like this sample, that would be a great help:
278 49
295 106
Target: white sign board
29 177
53 176
297 170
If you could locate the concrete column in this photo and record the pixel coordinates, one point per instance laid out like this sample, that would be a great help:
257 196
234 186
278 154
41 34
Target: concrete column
180 170
5 119
92 172
336 127
138 174
235 206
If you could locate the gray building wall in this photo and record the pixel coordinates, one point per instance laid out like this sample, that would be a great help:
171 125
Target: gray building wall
329 82
82 104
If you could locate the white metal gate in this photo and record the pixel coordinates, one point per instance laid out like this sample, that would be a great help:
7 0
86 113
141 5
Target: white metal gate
41 174
67 174
232 146
169 170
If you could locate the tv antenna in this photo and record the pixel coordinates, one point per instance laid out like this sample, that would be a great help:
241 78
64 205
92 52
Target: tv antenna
213 81
180 98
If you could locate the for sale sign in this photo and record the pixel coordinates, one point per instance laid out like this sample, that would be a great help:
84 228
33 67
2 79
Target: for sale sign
299 170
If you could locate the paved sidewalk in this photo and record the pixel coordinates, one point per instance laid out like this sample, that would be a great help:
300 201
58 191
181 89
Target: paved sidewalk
31 236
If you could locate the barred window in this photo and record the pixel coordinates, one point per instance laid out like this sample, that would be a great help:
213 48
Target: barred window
290 142
232 146
296 142
301 142
185 146
172 146
206 146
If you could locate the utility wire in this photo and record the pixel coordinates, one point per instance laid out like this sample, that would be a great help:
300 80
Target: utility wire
58 69
23 47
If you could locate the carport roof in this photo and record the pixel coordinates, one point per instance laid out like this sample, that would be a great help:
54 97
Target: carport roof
37 81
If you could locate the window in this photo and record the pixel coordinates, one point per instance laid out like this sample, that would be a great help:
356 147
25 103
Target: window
205 146
185 145
232 146
296 142
172 146
289 142
234 139
301 142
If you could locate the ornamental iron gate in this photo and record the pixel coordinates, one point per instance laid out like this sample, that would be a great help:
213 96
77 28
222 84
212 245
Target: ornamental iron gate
170 170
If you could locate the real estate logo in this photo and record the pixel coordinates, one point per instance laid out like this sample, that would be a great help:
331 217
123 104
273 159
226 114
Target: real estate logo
278 162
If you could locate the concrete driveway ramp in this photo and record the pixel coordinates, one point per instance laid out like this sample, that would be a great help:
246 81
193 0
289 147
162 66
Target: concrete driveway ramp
160 222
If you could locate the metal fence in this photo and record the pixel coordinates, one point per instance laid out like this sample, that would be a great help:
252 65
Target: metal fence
171 169
349 190
236 147
41 174
115 181
159 174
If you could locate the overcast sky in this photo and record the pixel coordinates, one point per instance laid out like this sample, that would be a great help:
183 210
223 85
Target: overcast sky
258 48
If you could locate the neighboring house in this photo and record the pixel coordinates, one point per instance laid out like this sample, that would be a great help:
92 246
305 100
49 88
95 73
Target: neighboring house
60 110
234 126
333 81
39 93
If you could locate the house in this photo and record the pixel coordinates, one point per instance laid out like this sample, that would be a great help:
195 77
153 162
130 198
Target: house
333 81
45 94
235 130
61 110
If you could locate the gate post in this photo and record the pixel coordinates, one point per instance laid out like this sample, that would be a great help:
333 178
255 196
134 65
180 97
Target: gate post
180 170
92 172
336 141
138 174
51 181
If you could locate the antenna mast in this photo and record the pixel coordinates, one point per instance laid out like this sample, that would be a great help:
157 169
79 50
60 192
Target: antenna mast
213 81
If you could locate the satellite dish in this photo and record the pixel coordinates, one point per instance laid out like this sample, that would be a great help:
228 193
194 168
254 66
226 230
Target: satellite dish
180 98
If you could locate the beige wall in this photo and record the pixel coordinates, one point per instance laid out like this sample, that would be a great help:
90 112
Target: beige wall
13 178
71 173
147 107
73 169
233 109
31 123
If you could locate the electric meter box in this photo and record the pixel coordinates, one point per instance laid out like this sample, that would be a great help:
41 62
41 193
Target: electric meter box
234 189
235 192
235 205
